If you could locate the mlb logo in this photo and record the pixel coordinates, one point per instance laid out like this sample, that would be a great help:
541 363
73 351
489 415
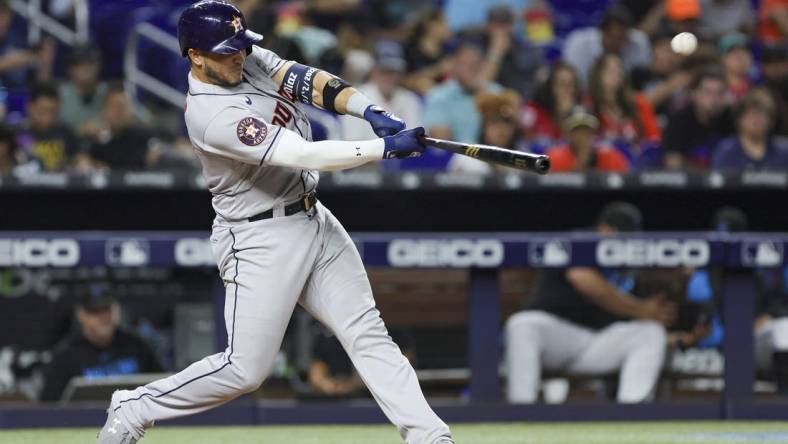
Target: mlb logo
127 252
552 253
762 254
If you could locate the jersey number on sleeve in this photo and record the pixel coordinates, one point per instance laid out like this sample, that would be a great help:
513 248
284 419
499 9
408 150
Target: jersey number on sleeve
282 115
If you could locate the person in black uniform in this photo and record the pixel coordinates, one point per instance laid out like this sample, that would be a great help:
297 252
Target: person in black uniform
331 373
580 322
97 347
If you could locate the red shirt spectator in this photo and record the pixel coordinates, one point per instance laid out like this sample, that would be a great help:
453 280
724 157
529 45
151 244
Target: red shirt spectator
624 115
538 123
604 158
773 20
581 153
618 127
554 99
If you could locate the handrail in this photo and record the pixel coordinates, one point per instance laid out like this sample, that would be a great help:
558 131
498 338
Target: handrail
136 78
39 20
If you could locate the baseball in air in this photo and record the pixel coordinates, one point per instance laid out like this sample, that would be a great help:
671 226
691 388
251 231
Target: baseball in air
684 43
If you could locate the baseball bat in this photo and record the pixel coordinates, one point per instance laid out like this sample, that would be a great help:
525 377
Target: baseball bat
534 163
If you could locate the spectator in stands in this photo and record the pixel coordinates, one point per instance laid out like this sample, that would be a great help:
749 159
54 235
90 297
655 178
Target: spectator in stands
97 347
578 322
424 52
82 96
18 62
500 127
383 89
666 80
737 63
774 66
500 123
43 138
581 152
510 60
681 16
470 14
647 15
555 98
569 15
694 130
123 143
773 21
614 35
261 14
625 116
450 111
721 17
393 17
753 146
8 151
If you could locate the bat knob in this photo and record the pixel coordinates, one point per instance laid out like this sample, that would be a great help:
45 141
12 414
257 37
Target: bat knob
542 164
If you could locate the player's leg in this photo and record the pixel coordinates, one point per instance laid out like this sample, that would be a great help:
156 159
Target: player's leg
537 340
771 351
764 346
635 348
264 265
339 295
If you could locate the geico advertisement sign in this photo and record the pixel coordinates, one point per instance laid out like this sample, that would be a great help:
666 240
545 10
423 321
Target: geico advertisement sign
445 253
39 252
193 253
658 252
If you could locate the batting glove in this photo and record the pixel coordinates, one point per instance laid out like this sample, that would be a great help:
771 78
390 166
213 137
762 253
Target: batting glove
383 122
404 144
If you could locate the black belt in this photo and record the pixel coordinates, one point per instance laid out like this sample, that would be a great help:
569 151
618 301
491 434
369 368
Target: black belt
305 204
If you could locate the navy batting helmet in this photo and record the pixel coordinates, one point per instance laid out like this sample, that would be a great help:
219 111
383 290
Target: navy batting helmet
214 26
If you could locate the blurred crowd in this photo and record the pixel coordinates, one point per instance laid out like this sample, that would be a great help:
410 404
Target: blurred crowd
598 85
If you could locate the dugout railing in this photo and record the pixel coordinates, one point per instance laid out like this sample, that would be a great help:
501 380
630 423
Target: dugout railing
483 254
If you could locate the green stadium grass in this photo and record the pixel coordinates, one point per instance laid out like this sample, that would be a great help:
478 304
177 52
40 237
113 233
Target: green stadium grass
505 433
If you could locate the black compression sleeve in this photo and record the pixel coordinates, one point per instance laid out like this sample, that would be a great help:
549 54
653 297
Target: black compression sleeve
331 91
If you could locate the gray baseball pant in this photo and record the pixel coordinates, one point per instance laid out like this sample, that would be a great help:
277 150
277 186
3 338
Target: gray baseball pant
537 340
268 266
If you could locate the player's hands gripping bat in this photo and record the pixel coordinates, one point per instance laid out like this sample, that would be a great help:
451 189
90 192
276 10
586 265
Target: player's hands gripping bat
534 163
383 122
404 144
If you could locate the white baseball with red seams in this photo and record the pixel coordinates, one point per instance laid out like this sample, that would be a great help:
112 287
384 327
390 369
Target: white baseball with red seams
684 43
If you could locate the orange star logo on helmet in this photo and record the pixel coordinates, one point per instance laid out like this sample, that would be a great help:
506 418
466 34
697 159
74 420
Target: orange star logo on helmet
236 24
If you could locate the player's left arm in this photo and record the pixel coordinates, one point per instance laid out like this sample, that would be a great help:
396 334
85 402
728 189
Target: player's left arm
317 87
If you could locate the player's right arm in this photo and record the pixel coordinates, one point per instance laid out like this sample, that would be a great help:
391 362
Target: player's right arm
592 285
238 134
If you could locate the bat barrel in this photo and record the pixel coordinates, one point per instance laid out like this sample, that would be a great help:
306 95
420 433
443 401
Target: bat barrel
536 163
542 164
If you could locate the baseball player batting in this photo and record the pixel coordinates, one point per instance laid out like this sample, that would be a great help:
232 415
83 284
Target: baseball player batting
275 244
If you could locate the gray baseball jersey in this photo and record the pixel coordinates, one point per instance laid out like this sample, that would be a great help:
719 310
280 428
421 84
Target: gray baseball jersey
246 121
